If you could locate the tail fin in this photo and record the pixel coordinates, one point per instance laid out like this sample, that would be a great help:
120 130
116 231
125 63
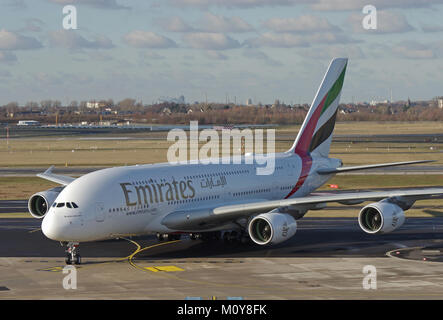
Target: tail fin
315 135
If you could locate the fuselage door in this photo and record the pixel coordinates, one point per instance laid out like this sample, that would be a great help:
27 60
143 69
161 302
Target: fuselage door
99 212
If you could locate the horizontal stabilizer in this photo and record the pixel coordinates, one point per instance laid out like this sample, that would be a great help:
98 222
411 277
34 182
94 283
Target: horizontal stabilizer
372 166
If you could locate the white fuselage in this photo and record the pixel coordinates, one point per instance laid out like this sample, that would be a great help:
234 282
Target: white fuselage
133 200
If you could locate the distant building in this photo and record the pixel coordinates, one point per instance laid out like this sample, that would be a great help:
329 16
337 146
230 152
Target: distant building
276 104
28 123
96 105
167 111
440 102
374 103
92 105
249 102
105 123
179 100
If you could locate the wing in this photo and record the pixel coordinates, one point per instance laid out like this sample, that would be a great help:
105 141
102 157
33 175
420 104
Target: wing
48 175
371 166
209 218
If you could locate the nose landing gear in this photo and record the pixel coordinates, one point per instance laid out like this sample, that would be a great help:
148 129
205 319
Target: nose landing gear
72 253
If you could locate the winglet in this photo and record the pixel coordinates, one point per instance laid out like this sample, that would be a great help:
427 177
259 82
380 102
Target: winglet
48 175
49 170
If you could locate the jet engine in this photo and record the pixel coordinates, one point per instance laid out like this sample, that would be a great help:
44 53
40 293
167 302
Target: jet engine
272 228
39 203
381 217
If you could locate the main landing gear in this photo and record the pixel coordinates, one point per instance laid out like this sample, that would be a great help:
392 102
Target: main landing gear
234 236
168 236
206 236
72 253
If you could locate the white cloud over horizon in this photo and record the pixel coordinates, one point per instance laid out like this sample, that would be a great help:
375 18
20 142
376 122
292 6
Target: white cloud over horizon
148 39
14 41
210 41
72 40
246 47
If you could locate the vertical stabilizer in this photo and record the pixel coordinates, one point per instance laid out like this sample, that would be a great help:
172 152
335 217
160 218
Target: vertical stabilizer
315 135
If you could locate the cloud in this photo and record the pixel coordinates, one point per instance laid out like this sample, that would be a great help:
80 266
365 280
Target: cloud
214 23
387 22
344 5
16 4
14 41
5 74
416 50
7 57
72 40
209 23
101 4
235 3
147 39
259 55
216 55
306 23
210 41
320 5
33 25
431 28
290 40
328 52
152 56
280 40
175 24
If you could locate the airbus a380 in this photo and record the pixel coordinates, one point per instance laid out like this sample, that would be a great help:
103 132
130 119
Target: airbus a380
206 199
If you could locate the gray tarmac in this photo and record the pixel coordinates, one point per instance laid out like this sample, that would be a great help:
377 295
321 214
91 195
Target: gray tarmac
326 259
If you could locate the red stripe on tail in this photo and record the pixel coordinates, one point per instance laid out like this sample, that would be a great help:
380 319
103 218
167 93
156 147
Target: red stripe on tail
306 165
305 139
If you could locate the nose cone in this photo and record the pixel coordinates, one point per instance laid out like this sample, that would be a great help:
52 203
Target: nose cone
51 228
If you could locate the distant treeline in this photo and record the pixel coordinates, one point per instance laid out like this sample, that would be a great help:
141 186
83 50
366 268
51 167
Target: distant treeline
169 113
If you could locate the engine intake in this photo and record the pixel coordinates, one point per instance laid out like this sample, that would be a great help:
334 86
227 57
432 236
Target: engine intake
272 228
381 217
39 203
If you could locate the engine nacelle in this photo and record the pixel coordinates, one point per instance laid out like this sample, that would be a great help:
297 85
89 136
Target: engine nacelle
272 228
381 217
39 203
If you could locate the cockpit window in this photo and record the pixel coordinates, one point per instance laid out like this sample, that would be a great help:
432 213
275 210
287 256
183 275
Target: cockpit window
68 205
55 203
60 204
74 205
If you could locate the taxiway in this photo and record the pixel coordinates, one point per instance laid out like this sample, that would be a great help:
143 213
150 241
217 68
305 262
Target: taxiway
325 259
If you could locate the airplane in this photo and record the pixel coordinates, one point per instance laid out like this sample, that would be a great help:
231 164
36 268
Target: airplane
213 201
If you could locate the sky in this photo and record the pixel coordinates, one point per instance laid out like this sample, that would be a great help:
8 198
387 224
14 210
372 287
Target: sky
220 49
